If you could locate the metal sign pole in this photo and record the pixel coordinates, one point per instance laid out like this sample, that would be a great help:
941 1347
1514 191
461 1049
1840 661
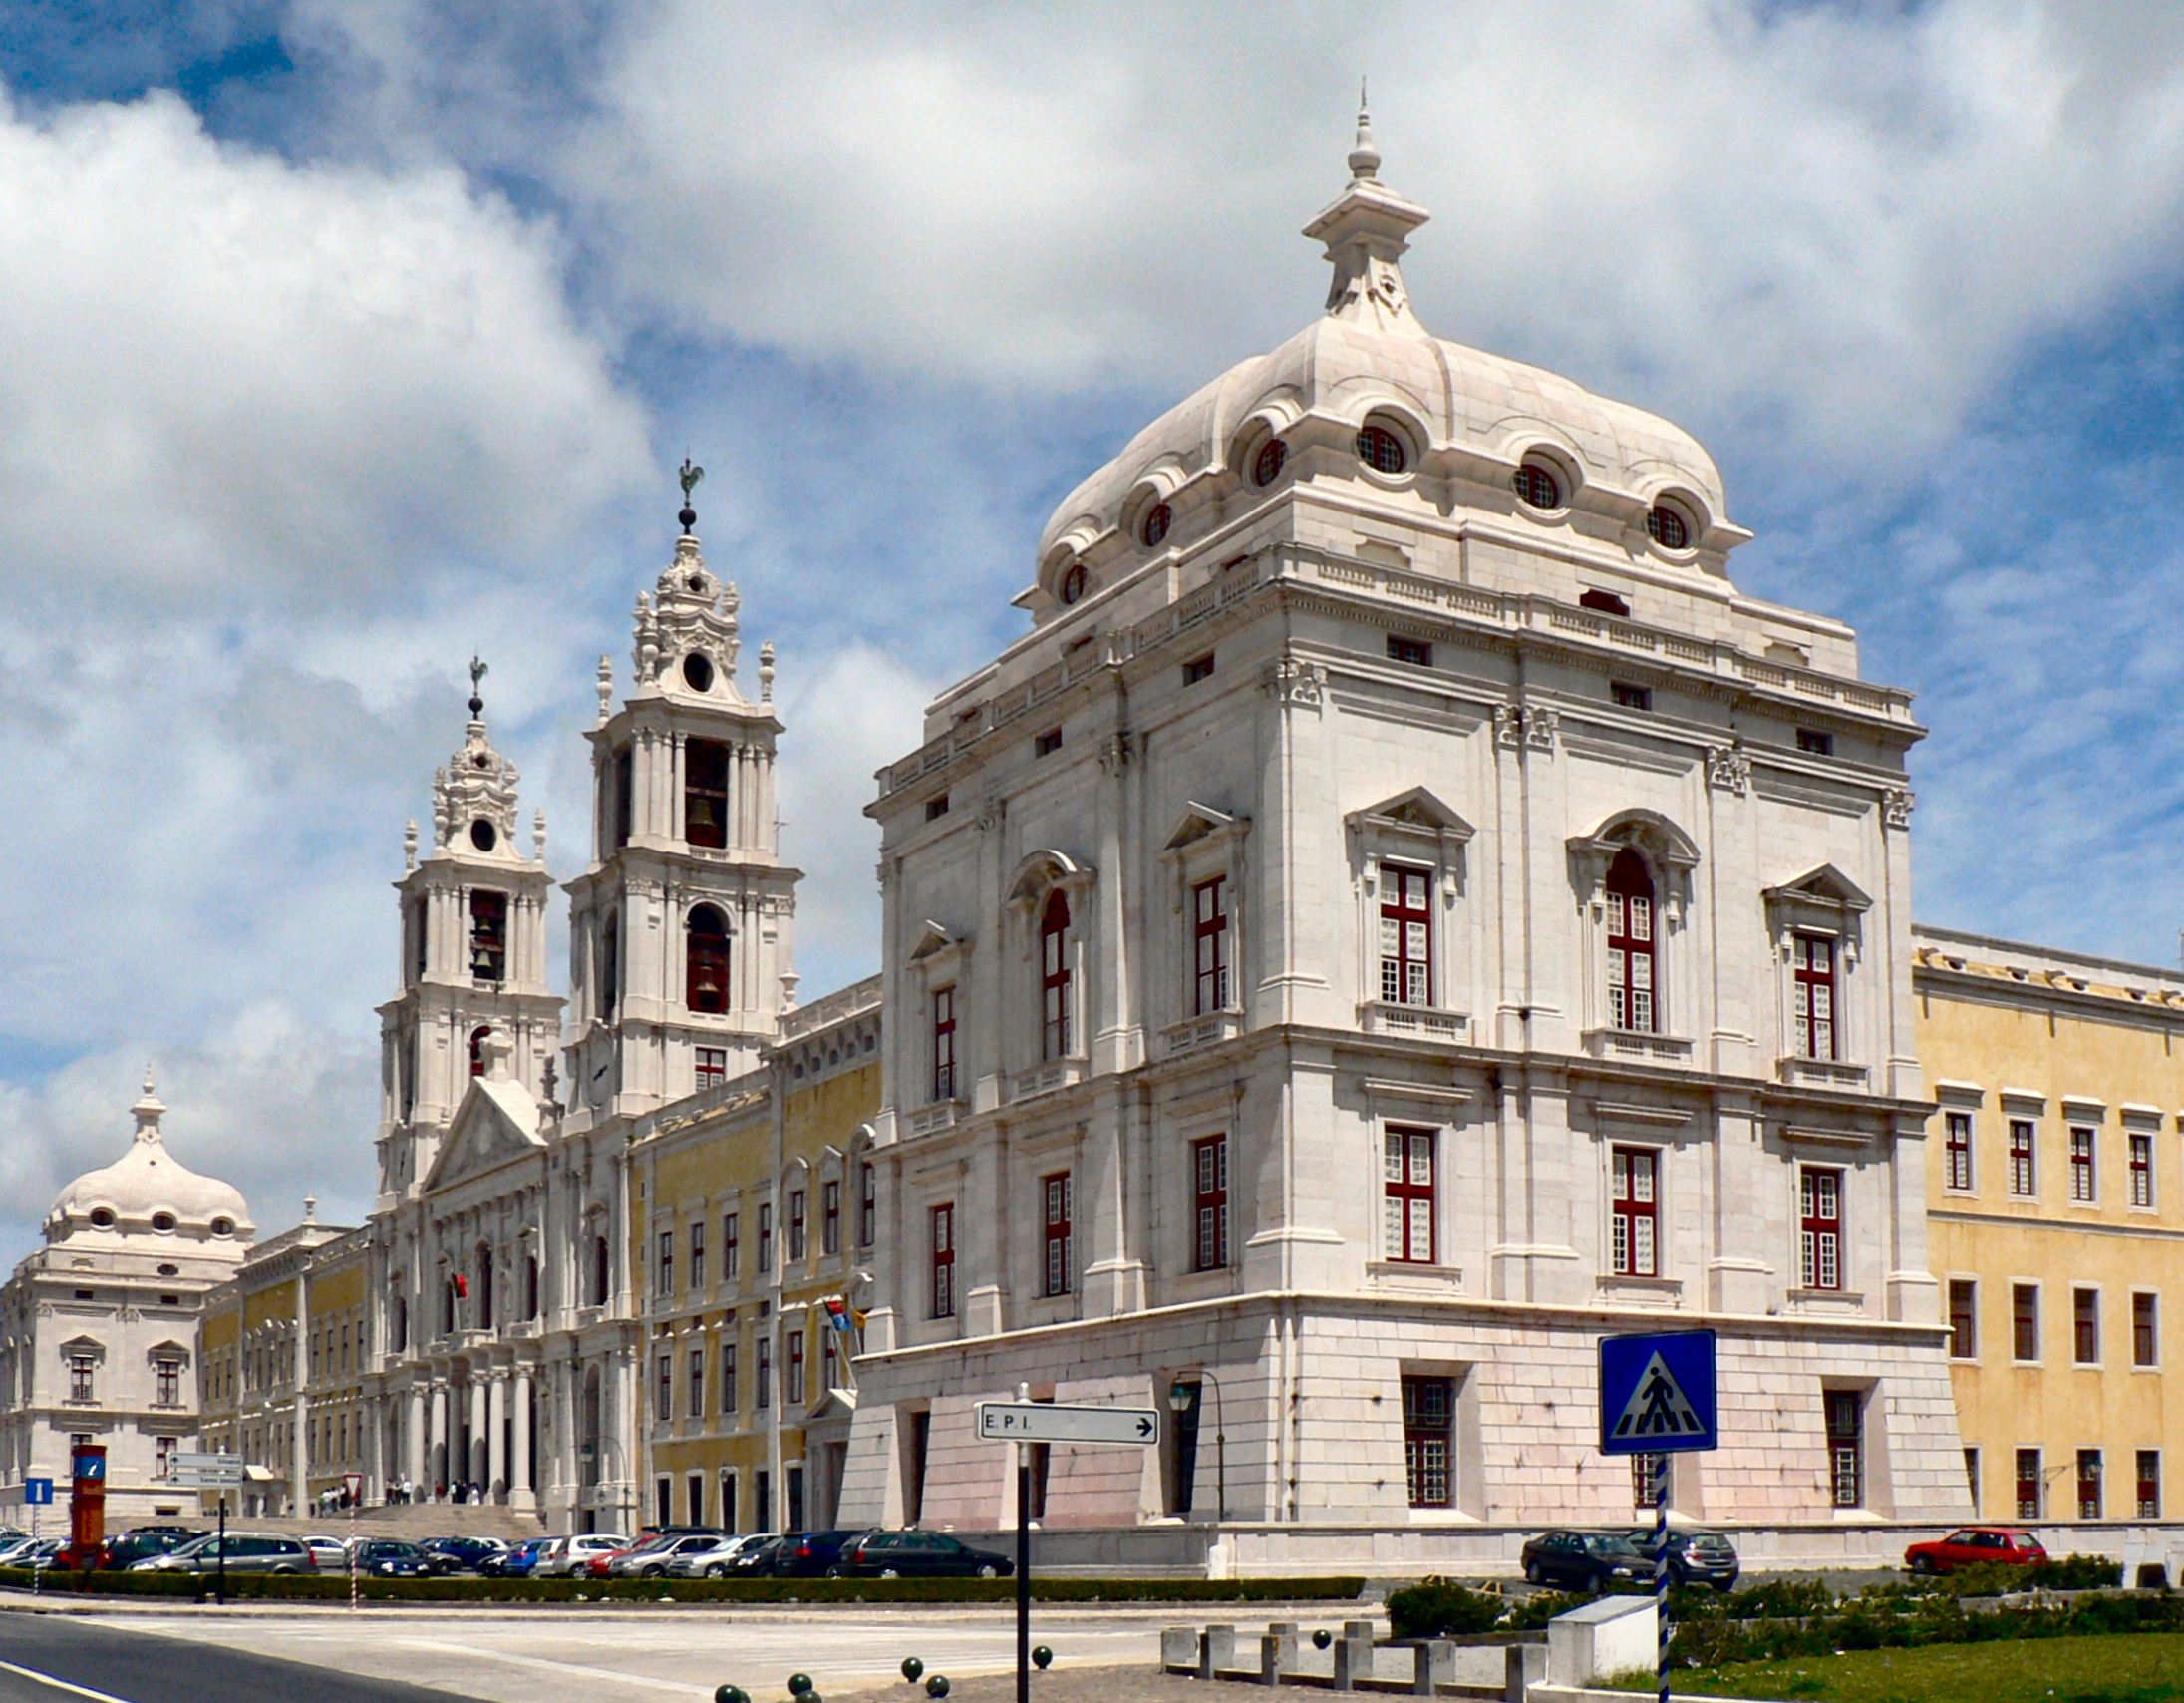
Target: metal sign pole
220 1561
35 1572
1023 1572
1661 1570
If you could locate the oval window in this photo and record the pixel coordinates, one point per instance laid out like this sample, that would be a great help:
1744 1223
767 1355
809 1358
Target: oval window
168 1271
1073 582
1157 524
1537 486
697 672
163 1223
1382 451
484 835
1666 528
1268 468
101 1217
223 1226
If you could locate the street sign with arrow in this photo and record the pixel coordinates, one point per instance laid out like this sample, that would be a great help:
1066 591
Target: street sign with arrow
1050 1422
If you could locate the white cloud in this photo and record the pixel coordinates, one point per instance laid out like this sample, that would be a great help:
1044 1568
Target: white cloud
224 374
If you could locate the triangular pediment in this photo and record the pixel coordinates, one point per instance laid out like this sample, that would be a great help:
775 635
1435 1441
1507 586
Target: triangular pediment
498 1121
1418 811
836 1402
1823 885
1197 822
933 939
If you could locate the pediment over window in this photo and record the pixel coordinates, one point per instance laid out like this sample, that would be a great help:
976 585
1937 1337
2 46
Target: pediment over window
498 1120
1203 821
1651 832
1044 870
933 940
178 1352
1822 888
83 1345
1416 813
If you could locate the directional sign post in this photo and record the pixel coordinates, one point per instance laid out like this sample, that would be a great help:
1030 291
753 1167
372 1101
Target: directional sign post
37 1494
1024 1422
218 1471
1656 1397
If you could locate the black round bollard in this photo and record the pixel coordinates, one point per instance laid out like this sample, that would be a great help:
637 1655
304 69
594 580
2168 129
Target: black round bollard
799 1684
1042 1658
1322 1638
732 1694
937 1686
911 1668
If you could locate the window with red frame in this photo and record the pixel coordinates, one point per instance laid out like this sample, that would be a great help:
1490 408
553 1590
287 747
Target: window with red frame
867 1204
2081 1164
1846 1446
1820 1227
705 793
2029 1484
666 1407
830 1360
697 1255
796 1248
2149 1484
1209 1203
667 1262
1406 937
796 1368
1812 963
1407 1197
2142 1170
1209 946
764 1367
2024 1321
712 1067
2088 1483
2086 1326
1428 1419
1054 977
478 1050
2145 1331
695 1393
1632 1240
704 986
731 1246
488 935
1057 1273
1963 1333
1956 1150
2024 1176
1632 985
831 1215
766 1235
944 1261
944 1043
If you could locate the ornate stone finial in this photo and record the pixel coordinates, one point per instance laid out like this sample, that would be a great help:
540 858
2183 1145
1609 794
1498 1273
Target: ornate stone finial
765 672
409 845
690 475
606 690
148 1110
1365 156
310 1208
790 979
478 671
538 834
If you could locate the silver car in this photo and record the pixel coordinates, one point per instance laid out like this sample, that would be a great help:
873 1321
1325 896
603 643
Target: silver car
711 1557
246 1552
570 1555
331 1554
650 1559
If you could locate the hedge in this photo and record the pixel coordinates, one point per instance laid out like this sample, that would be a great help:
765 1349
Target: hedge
335 1587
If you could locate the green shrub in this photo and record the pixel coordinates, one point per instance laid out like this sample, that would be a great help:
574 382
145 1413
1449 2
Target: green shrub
1537 1610
1442 1608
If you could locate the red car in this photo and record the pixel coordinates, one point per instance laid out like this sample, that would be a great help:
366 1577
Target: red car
1973 1545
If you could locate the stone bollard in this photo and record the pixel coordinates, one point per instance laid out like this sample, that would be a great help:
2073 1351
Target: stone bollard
1525 1666
1276 1651
1359 1629
1180 1649
1437 1666
1352 1660
1217 1651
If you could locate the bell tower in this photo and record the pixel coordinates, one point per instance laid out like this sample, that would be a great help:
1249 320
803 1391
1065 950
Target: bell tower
473 958
681 942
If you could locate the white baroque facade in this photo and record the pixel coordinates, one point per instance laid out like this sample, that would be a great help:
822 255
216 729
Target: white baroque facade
99 1327
1400 914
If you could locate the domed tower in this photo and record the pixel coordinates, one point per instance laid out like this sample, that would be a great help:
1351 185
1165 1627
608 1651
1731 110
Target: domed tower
680 932
473 958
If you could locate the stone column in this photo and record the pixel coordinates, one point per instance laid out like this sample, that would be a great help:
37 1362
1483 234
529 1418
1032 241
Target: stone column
436 1472
413 1451
521 1492
478 1420
497 1416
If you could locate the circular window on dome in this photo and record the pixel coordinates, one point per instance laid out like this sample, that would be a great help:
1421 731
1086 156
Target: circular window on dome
1157 521
223 1226
1268 468
1072 583
1537 486
101 1217
697 672
484 835
1382 451
1667 527
171 1271
163 1223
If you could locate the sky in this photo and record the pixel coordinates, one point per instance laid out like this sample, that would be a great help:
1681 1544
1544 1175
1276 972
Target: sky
340 341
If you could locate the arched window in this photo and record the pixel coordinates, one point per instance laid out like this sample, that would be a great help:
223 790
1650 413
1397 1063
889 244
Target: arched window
398 1321
1632 984
484 1286
447 1307
478 1050
610 965
705 984
599 1271
705 793
530 1286
1054 977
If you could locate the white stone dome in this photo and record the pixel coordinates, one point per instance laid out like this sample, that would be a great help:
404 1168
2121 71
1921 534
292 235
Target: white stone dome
1461 412
148 1192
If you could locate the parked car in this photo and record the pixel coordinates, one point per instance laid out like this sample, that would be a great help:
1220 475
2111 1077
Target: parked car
331 1554
706 1557
1695 1557
919 1554
1582 1561
13 1544
815 1554
756 1559
2012 1546
126 1549
389 1557
516 1562
246 1552
650 1559
37 1554
573 1554
460 1555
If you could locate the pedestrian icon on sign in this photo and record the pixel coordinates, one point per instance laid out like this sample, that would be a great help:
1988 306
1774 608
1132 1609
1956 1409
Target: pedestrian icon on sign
1658 1407
1657 1393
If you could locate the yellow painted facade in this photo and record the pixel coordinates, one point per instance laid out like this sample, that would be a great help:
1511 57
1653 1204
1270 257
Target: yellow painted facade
747 1216
2055 1208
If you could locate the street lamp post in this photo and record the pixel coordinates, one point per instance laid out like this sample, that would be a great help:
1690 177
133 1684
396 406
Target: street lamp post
1179 1400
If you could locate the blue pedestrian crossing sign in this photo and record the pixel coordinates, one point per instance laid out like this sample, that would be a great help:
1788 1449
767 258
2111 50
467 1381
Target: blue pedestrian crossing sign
39 1491
1657 1393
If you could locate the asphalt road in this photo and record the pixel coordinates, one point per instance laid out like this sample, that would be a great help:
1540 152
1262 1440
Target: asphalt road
53 1658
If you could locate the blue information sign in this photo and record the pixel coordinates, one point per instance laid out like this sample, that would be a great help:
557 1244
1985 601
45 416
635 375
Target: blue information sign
89 1466
1657 1393
39 1491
